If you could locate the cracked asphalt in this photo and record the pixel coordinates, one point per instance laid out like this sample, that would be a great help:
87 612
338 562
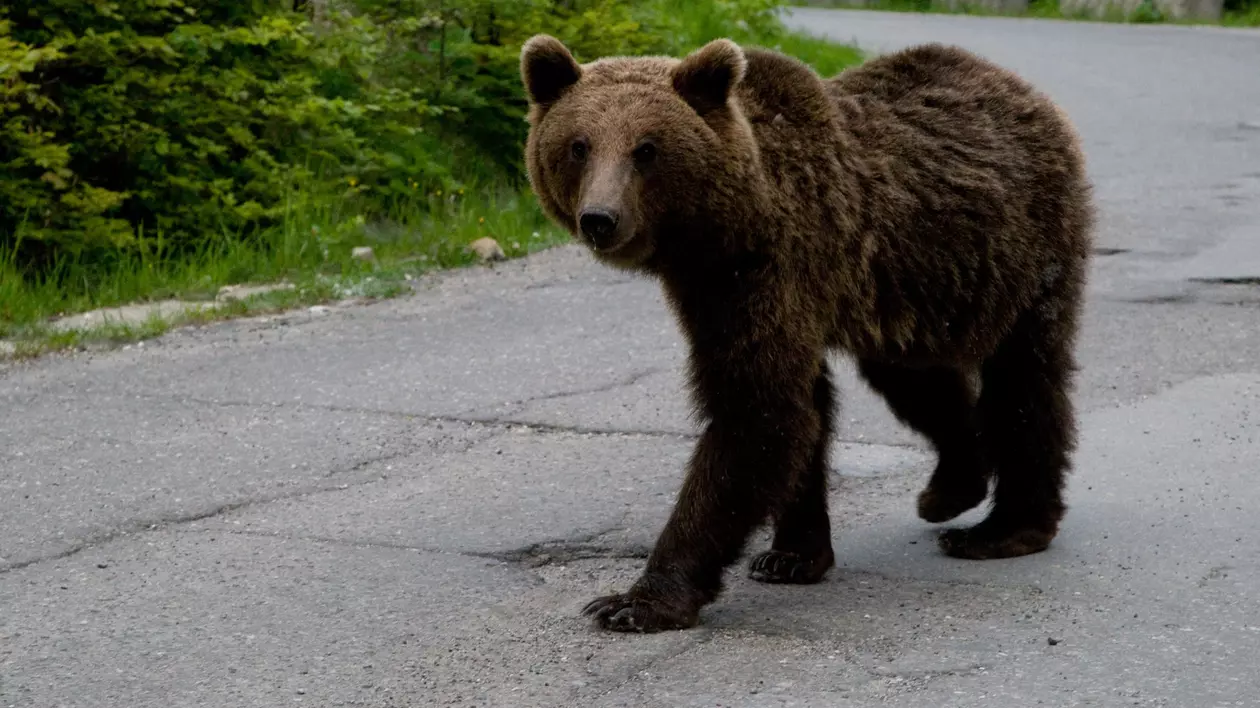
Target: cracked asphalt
407 503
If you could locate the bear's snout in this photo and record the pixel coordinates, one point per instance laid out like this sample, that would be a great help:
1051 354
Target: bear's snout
599 226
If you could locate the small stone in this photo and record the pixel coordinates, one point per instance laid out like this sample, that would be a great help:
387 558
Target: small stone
363 253
242 292
102 566
487 249
319 309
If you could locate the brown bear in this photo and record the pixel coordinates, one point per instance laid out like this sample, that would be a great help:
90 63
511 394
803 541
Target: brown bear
927 213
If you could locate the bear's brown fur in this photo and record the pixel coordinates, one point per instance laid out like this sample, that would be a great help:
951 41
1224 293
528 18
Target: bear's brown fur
927 212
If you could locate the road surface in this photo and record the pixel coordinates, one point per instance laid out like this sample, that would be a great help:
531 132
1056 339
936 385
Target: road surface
407 504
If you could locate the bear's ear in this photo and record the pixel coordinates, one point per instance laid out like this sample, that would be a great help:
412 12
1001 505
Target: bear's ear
547 69
705 77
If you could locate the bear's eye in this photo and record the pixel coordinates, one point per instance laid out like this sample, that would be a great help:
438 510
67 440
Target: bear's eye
579 150
644 154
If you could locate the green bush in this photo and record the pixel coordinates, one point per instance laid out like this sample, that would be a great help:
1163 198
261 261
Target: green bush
169 126
176 120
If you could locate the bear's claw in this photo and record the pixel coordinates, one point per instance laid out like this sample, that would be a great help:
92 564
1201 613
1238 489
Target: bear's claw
632 613
787 567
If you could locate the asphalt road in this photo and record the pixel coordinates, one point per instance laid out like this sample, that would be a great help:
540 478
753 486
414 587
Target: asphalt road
407 504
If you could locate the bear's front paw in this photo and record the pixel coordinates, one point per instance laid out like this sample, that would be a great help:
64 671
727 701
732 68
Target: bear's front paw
637 612
794 568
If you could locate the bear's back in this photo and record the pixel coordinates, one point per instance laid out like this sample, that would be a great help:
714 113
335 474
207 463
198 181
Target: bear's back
938 102
907 76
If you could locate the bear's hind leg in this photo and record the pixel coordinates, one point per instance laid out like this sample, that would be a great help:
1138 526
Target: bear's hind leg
1028 430
801 552
937 403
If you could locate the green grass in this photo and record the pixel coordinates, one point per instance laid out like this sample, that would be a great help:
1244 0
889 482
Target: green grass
827 57
41 339
1244 17
312 246
1048 9
312 250
704 22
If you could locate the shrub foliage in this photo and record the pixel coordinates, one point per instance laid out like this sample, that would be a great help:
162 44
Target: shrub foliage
129 122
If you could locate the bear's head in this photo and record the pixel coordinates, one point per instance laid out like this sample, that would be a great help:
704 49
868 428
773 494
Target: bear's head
630 153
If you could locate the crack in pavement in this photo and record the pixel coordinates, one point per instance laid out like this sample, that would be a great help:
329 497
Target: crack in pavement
1227 280
140 526
533 556
336 541
491 421
570 429
624 382
439 449
518 406
487 421
350 542
496 421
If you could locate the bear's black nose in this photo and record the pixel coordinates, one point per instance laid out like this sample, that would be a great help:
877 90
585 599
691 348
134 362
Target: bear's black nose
598 226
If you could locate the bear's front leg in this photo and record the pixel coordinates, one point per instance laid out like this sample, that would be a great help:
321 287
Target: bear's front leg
762 432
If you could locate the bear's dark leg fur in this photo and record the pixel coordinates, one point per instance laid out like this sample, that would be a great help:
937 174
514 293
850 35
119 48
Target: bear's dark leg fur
937 403
1028 429
757 389
801 552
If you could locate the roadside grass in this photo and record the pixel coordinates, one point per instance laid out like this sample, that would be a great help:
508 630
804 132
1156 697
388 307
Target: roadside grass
310 248
704 22
825 56
42 338
1144 13
1245 17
